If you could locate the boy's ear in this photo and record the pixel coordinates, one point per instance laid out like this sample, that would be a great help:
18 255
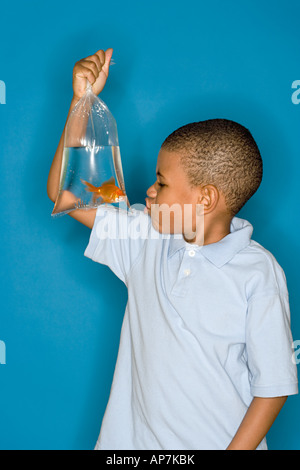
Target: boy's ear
209 196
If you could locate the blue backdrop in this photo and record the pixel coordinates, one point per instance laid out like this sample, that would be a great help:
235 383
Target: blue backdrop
176 62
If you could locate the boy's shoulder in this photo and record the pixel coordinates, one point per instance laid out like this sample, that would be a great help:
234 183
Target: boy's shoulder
266 273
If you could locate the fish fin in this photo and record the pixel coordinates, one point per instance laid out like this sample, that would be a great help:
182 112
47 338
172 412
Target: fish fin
89 186
110 181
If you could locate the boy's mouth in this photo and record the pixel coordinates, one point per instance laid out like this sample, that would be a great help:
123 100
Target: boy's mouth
147 203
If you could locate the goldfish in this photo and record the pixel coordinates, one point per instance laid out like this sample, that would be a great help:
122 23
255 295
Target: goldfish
108 191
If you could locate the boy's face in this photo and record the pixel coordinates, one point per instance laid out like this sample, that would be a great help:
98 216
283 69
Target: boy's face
171 200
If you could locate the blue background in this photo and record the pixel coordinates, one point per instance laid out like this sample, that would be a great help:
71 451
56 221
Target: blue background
176 62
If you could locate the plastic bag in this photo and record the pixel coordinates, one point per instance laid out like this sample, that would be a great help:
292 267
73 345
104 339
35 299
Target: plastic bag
91 171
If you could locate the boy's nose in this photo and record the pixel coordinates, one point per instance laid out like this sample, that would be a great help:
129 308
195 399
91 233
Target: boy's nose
151 192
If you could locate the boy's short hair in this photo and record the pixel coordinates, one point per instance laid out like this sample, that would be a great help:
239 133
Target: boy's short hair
219 152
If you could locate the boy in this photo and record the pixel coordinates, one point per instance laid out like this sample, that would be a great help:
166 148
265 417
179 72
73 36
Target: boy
205 356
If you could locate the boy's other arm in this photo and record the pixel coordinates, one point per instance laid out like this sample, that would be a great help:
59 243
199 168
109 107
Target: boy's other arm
259 418
95 68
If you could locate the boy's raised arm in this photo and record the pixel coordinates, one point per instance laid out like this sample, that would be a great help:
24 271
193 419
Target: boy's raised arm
95 68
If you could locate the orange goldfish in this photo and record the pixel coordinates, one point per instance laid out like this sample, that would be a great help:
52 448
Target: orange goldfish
108 191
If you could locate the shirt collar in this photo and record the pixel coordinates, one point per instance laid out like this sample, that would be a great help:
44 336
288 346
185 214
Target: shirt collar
224 250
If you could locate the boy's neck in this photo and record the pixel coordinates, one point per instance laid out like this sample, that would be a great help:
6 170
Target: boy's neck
214 230
215 234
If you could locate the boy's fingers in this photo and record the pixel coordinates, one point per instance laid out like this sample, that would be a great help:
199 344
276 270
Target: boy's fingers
89 64
95 59
94 68
105 58
101 56
85 72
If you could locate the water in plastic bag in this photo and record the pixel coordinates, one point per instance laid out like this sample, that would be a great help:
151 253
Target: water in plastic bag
91 171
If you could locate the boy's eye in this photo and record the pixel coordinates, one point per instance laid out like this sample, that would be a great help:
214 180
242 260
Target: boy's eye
161 184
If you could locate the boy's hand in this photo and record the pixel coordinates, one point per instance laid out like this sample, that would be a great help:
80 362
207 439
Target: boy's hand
95 68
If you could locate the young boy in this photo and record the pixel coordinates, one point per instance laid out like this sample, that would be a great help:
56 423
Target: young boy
205 356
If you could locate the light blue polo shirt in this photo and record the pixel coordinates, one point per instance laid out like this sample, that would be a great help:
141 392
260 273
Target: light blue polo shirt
206 328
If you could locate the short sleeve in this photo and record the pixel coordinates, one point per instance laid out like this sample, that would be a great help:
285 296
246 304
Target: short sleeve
269 345
117 238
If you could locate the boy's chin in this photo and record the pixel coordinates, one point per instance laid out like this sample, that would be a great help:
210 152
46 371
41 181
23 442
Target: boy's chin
158 227
189 237
165 230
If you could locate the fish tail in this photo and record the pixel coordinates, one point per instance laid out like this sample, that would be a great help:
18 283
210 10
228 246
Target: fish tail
89 186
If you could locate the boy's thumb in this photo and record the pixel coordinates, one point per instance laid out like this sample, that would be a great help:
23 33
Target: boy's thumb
108 56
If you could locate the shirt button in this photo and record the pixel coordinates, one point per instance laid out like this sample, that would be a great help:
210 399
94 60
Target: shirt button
187 272
192 253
